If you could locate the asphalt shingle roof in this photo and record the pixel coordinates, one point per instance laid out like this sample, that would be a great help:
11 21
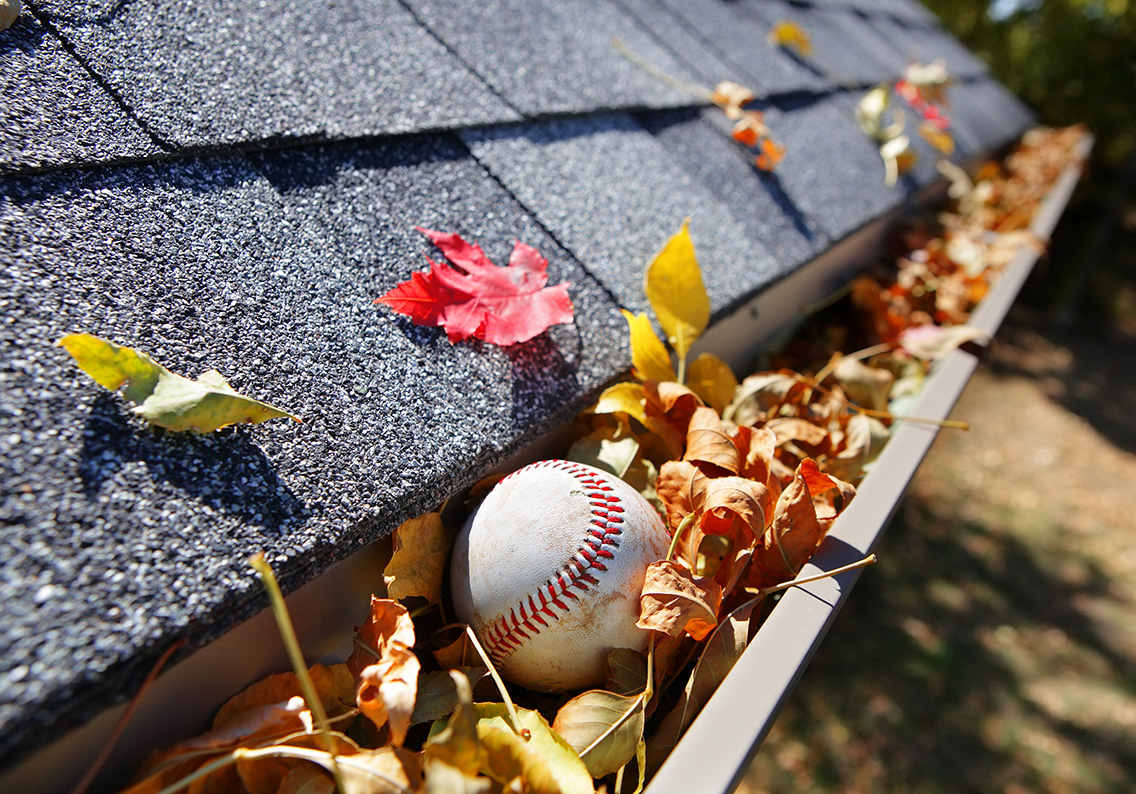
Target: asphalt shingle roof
231 186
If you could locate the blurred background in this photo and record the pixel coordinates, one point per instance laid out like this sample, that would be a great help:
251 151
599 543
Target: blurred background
993 648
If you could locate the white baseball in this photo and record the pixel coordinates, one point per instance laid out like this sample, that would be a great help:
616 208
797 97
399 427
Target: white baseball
549 569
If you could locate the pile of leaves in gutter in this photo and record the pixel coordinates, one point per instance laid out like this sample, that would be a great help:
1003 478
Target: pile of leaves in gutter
749 477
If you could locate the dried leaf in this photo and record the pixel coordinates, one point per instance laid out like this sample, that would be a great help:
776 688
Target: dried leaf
421 550
305 779
626 398
669 407
272 774
791 36
165 399
626 672
9 11
932 342
942 140
796 530
441 778
502 305
457 743
546 763
707 442
438 695
731 97
864 439
603 728
385 667
387 770
674 600
602 450
866 386
674 288
333 683
680 488
756 447
760 397
649 355
712 380
718 657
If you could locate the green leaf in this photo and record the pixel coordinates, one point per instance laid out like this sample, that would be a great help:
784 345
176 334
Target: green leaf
603 727
546 762
676 292
163 398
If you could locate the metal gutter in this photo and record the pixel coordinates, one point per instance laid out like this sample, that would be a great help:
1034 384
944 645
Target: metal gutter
717 749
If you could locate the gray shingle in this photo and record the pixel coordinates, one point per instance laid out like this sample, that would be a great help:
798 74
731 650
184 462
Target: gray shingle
612 195
117 537
926 43
54 113
845 59
831 170
202 75
741 40
540 59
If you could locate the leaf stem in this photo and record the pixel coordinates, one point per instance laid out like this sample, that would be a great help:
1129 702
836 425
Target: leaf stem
513 716
296 656
764 591
659 74
678 534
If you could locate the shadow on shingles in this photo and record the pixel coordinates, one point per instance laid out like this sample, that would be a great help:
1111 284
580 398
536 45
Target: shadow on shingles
224 470
110 14
290 170
23 35
544 381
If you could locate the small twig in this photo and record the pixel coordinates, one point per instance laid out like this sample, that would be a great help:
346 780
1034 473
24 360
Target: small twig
659 74
678 534
517 727
776 588
124 720
296 656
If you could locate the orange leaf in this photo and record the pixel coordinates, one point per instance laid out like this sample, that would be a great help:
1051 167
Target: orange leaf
669 407
674 600
679 487
386 668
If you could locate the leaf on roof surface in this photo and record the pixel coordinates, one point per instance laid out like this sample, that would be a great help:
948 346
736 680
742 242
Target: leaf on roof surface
791 36
501 305
163 398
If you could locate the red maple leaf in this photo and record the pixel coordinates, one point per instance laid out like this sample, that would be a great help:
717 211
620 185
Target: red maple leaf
502 305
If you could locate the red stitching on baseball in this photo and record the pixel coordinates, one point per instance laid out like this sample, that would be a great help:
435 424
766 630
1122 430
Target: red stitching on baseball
501 639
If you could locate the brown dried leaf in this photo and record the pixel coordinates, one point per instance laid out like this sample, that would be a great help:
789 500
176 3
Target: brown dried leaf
866 386
760 396
674 600
387 677
669 408
333 683
797 530
626 672
679 488
421 550
707 442
756 447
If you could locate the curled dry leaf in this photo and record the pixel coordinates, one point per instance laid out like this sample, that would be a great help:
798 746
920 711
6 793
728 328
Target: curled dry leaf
421 549
760 397
866 386
272 774
603 728
679 487
932 342
797 529
864 440
386 668
165 399
669 408
608 449
674 600
708 442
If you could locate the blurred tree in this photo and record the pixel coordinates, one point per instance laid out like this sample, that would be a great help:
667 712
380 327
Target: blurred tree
1073 61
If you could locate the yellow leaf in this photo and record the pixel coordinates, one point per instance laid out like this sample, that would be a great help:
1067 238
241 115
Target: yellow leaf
791 36
165 399
421 550
940 139
712 379
648 354
603 727
674 287
545 761
625 398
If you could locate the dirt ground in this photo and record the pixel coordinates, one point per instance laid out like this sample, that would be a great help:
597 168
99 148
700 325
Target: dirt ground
993 648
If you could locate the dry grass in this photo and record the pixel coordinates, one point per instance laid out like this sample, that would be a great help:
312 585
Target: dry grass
993 649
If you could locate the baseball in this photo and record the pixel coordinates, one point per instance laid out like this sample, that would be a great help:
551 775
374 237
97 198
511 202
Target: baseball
548 572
